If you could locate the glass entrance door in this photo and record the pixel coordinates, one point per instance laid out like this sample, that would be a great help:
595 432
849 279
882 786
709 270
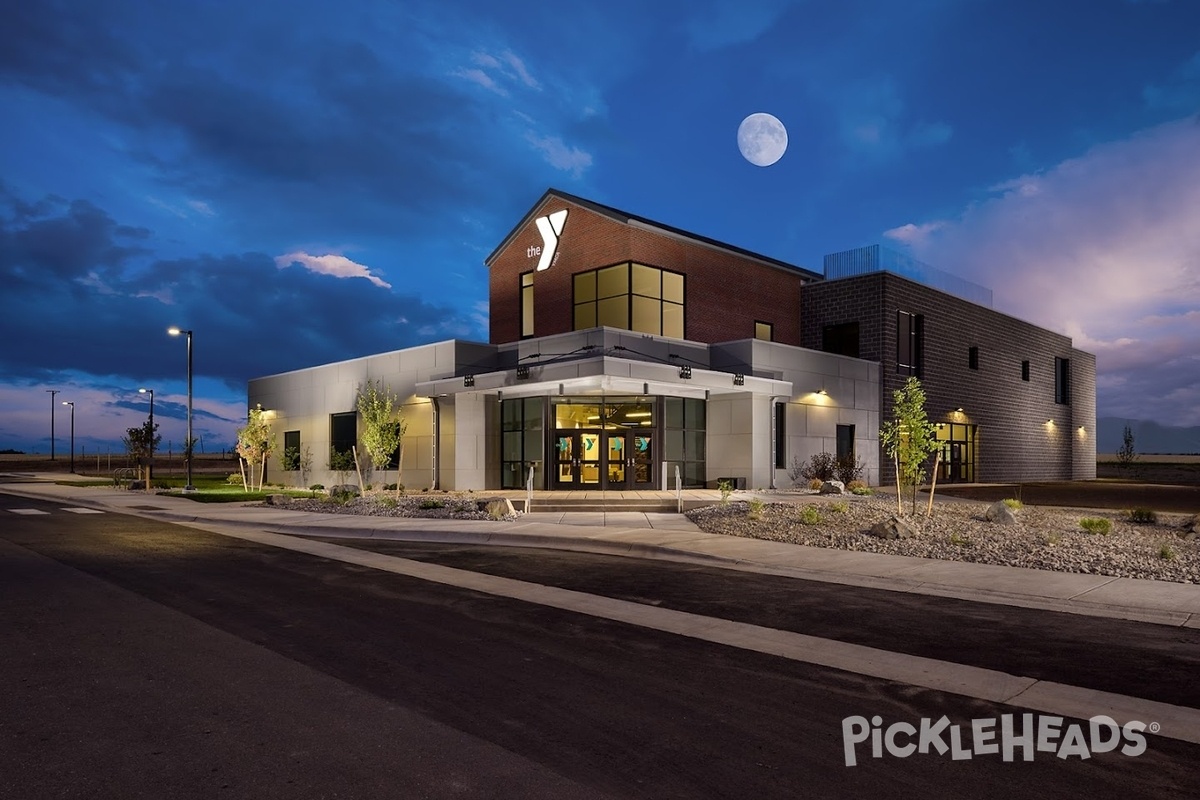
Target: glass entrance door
578 459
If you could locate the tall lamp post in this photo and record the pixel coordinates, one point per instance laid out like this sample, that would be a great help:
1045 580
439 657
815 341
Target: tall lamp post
72 405
188 446
150 466
52 393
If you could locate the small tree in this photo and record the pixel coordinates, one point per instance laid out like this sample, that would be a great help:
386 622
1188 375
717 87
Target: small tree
1126 455
382 429
341 462
255 443
909 437
139 443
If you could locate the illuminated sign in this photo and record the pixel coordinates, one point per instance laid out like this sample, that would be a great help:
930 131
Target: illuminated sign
551 227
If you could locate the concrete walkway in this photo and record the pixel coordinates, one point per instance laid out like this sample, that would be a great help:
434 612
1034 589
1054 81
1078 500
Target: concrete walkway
673 537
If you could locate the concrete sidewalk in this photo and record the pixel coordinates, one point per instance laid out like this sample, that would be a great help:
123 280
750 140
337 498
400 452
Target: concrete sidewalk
673 537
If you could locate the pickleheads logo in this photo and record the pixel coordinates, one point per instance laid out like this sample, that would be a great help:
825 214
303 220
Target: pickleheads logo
551 227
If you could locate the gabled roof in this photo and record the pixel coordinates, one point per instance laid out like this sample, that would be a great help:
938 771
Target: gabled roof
625 218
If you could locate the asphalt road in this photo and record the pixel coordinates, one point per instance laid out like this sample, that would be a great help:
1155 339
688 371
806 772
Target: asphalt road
142 659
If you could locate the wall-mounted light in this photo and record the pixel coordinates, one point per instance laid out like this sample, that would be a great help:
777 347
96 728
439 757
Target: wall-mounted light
739 379
522 371
685 372
1082 432
822 391
468 380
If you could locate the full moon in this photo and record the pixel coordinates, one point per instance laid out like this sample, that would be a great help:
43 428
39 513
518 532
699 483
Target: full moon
762 139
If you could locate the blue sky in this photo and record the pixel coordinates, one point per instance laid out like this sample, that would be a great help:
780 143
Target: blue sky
304 182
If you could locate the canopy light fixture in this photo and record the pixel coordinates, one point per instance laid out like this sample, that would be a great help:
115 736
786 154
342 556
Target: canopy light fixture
468 380
685 372
739 379
522 371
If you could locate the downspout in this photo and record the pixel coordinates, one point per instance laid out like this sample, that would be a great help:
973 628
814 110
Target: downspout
437 440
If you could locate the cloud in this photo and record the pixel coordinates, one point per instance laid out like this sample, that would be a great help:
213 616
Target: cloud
492 72
559 155
481 78
1106 248
717 24
1180 93
330 264
871 120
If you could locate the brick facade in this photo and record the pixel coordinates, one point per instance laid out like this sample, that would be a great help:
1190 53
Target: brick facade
1017 440
725 292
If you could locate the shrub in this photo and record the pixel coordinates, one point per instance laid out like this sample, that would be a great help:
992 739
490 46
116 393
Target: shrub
428 504
756 508
815 484
796 471
959 540
1166 553
839 507
290 459
1054 538
848 468
862 490
1094 525
1013 503
235 479
810 516
317 487
822 467
387 502
1142 515
726 489
855 484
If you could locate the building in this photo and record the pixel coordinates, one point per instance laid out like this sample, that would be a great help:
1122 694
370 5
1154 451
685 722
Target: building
627 354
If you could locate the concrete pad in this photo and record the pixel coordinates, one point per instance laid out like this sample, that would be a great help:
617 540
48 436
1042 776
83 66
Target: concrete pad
1146 594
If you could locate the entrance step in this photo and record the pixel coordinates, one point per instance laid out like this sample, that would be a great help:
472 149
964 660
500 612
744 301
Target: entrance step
597 505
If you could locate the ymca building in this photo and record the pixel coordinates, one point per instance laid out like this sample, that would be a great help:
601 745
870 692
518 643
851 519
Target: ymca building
624 352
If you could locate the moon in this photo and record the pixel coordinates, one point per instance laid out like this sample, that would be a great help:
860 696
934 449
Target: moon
762 139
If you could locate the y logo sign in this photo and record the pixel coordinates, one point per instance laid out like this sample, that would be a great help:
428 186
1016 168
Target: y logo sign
551 227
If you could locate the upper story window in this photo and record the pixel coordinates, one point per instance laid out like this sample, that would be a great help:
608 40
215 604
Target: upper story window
630 296
764 331
526 304
910 343
1024 370
841 339
1062 381
973 357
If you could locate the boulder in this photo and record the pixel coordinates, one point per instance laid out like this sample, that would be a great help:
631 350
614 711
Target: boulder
1192 525
345 490
277 499
833 487
497 507
1000 513
893 528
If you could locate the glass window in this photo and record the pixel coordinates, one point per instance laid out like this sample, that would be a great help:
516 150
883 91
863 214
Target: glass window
973 357
646 281
585 287
614 312
526 304
646 316
521 443
343 431
585 316
612 281
1024 370
672 287
845 441
1062 381
764 331
672 320
909 344
781 436
693 413
291 450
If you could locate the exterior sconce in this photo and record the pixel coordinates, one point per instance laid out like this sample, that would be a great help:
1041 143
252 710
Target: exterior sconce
822 391
958 410
739 380
522 371
468 380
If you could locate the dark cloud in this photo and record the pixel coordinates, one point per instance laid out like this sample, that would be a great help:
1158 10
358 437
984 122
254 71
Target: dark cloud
93 308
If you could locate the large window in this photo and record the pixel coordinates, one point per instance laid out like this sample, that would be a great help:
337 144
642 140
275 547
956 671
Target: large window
630 296
291 451
521 432
845 441
841 339
683 439
1062 381
973 357
910 329
343 431
526 304
764 331
781 436
1024 370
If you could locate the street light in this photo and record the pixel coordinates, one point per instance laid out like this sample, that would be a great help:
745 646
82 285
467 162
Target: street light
188 446
72 405
150 466
52 393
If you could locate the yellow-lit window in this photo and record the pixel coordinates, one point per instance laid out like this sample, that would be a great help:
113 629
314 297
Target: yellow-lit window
764 331
630 296
612 281
672 320
647 281
647 315
613 312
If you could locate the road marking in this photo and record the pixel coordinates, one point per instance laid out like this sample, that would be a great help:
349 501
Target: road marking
83 510
28 512
1178 722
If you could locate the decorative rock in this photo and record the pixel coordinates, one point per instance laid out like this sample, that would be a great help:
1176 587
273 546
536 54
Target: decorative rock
999 513
1187 535
1192 525
345 489
277 499
833 487
498 507
893 528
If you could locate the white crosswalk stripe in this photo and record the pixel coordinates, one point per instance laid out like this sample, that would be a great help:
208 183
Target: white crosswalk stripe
28 512
83 510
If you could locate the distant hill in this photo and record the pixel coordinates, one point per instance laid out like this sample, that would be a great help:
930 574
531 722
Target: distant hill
1148 436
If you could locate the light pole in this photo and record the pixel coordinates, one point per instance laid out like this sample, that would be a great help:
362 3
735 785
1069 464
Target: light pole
150 466
52 393
72 405
188 445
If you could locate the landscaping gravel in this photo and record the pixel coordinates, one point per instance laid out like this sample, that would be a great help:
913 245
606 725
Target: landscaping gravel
1042 538
419 506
